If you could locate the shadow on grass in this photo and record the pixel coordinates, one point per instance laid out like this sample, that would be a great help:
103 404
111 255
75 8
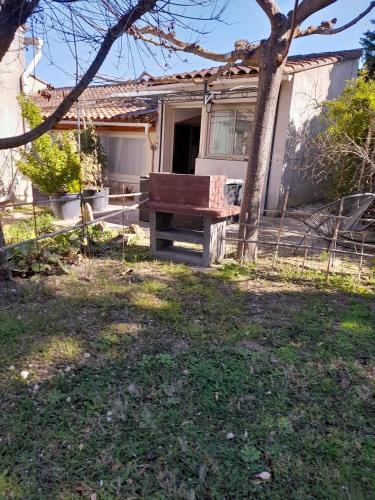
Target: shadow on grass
166 382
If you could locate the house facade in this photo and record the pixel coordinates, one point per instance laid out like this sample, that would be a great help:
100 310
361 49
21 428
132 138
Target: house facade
198 122
204 125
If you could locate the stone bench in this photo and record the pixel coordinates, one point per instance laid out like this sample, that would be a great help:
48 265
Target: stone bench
190 196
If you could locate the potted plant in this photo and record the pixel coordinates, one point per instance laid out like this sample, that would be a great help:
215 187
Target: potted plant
52 163
93 164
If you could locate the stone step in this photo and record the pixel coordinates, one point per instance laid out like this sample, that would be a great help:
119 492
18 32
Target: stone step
182 235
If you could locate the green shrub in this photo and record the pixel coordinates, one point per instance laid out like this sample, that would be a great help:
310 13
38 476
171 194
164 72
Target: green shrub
25 229
53 163
93 159
343 152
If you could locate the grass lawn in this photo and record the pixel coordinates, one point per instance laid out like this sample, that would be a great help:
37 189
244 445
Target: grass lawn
164 382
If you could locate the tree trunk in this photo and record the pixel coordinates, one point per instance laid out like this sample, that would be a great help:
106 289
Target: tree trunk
13 15
132 15
5 273
270 75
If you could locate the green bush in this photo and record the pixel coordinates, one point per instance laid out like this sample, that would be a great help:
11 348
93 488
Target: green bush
344 151
93 159
53 162
55 254
25 229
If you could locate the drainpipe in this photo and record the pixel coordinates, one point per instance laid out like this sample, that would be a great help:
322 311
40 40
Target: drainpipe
161 131
38 44
151 145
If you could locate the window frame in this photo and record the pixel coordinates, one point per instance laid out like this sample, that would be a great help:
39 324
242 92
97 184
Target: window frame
236 109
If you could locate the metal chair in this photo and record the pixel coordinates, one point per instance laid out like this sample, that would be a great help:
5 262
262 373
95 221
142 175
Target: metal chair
323 221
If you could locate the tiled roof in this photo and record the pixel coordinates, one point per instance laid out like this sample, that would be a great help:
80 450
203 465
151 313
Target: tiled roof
293 65
304 62
99 103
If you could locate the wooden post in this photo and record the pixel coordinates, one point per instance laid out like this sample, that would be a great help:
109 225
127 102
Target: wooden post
123 223
361 257
332 245
37 243
5 272
280 229
305 253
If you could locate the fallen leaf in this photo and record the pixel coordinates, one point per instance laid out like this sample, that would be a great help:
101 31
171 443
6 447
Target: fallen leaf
264 476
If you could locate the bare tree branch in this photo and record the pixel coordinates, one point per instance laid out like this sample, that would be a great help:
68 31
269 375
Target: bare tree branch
124 23
270 8
162 38
293 25
243 50
309 7
326 27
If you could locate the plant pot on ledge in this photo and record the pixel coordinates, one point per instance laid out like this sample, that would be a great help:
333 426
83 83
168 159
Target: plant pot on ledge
66 206
97 199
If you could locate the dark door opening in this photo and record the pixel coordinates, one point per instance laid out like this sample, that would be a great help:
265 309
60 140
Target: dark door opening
186 148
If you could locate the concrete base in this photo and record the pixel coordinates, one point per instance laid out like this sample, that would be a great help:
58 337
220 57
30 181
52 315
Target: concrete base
163 235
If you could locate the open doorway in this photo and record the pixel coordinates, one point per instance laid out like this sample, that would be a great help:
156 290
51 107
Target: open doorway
186 143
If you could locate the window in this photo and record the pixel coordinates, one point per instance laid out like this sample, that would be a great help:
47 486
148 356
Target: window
229 132
126 155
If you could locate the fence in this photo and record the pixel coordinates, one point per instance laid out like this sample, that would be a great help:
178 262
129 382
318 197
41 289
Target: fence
281 239
33 254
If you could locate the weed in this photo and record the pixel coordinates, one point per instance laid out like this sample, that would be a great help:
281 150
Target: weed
233 271
173 383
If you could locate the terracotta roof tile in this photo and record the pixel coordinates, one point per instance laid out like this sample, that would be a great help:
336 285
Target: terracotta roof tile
293 65
99 103
103 103
304 62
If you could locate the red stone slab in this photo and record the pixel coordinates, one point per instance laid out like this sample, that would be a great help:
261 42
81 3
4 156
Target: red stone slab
174 208
205 191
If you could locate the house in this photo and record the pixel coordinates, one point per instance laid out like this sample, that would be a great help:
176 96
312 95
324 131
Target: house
15 77
126 126
198 122
204 124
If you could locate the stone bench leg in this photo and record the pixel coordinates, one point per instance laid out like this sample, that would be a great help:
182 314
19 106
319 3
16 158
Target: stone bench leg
213 240
159 220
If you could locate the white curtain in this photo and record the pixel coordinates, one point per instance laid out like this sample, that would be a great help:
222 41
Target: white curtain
242 132
127 155
221 132
229 132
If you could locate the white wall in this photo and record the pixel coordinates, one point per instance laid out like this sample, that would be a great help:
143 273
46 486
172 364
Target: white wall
233 169
11 123
297 125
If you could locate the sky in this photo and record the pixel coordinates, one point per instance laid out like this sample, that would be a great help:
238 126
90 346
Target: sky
243 19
